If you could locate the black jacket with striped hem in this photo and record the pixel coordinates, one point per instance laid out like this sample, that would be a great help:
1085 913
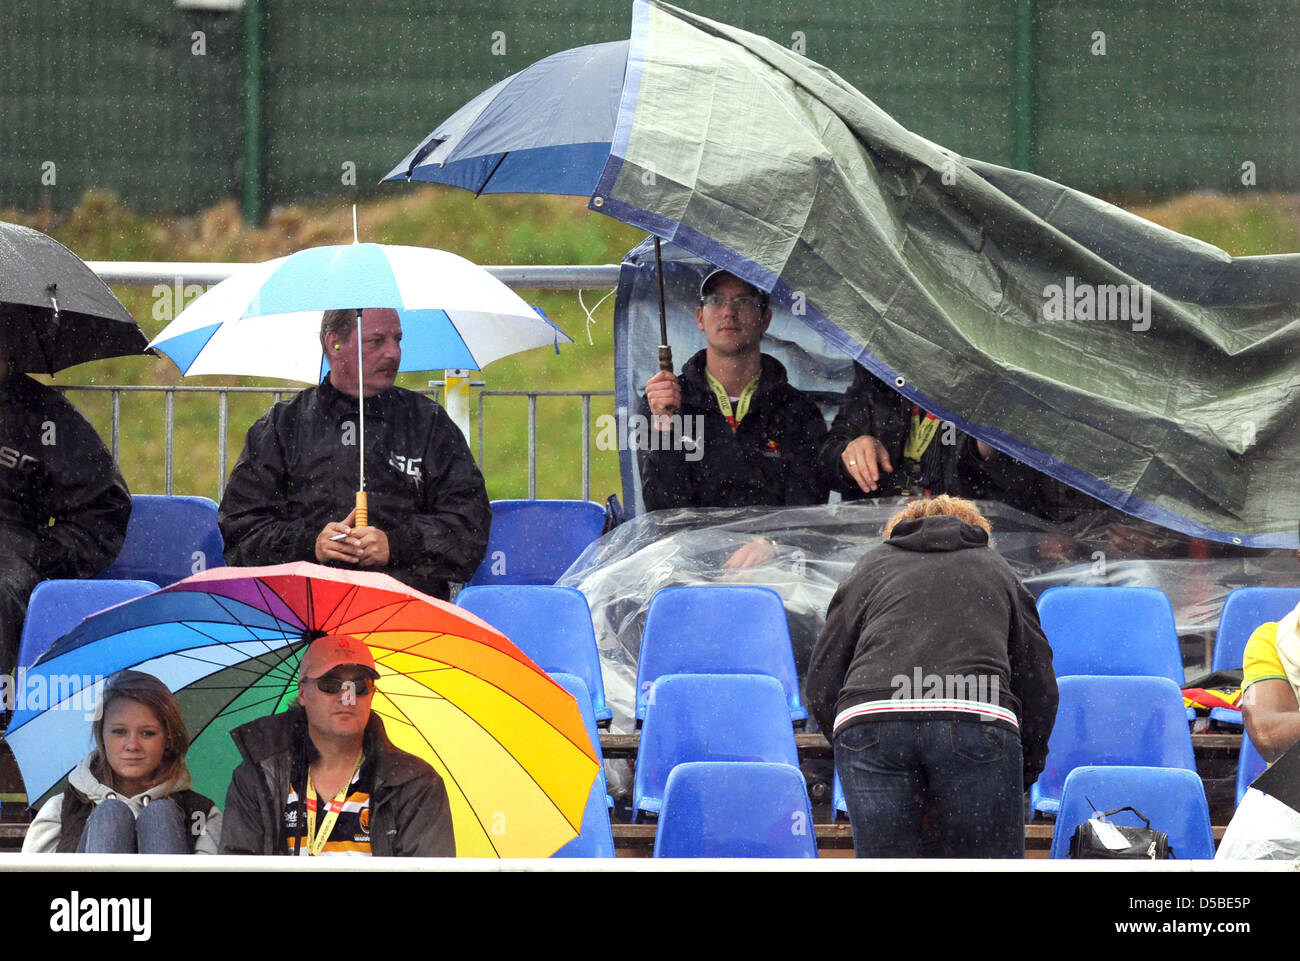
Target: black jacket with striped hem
933 624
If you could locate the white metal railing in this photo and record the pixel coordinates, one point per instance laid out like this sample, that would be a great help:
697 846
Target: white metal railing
278 393
541 277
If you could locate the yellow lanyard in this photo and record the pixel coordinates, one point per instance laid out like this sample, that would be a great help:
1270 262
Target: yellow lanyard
316 842
724 402
924 427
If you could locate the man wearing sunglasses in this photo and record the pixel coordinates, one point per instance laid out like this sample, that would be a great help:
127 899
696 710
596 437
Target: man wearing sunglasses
323 779
730 431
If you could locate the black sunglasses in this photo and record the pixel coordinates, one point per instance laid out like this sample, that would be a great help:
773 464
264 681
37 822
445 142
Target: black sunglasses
328 684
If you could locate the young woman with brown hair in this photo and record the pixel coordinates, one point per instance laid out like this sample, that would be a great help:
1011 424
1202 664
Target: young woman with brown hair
131 793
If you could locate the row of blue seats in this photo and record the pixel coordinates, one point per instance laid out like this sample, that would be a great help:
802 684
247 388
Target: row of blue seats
1093 630
717 763
708 629
729 807
687 630
1118 741
531 541
171 537
1131 631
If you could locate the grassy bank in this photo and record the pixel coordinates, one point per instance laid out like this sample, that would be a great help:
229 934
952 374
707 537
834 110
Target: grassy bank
491 230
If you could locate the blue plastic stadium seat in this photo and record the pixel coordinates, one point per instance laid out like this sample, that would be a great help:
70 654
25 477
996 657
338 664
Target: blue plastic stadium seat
552 625
1127 721
709 717
1250 765
1171 798
1244 610
735 810
169 538
597 837
1111 630
535 542
717 630
57 606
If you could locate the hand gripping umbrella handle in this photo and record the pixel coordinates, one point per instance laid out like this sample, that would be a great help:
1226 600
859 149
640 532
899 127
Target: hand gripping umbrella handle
363 511
665 352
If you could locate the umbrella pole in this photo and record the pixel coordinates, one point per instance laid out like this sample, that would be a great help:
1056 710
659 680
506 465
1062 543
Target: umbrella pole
363 509
665 352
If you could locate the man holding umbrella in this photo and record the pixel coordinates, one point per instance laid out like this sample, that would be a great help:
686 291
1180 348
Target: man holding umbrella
731 431
289 494
64 506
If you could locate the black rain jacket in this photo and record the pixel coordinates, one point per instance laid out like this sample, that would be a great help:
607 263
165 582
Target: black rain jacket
769 461
54 468
299 471
937 601
409 812
871 407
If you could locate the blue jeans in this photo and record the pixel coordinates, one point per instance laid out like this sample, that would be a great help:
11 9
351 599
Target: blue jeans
113 829
948 788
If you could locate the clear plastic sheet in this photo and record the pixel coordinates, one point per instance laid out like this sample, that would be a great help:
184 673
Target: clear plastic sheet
817 547
1262 829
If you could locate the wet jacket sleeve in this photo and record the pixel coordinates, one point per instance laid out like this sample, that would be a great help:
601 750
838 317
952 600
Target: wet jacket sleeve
89 503
1033 681
666 477
804 482
869 408
250 518
423 820
244 823
449 535
835 648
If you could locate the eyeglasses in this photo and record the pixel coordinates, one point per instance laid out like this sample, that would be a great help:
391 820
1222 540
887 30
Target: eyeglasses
743 304
328 684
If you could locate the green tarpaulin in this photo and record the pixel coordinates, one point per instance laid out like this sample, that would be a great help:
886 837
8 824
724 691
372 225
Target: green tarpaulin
1151 370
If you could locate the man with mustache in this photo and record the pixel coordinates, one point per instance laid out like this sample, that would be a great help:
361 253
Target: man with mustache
292 492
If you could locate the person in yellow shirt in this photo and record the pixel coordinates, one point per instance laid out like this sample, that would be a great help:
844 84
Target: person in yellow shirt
1271 675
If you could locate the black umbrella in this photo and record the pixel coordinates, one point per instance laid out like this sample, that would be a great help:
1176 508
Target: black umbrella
54 311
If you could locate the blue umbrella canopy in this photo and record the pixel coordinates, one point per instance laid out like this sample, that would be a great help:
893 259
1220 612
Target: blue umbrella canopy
546 129
265 320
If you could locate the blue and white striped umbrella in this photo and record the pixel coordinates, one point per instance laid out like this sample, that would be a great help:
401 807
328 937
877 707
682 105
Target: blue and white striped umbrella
264 321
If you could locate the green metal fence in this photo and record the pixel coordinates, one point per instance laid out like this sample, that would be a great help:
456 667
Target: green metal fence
175 108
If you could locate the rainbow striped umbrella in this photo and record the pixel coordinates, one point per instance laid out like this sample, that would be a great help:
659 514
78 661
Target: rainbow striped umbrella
509 742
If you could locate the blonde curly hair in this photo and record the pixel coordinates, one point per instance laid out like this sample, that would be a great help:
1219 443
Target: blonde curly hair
963 510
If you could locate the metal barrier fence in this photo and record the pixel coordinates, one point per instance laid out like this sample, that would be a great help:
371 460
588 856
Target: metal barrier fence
532 396
279 393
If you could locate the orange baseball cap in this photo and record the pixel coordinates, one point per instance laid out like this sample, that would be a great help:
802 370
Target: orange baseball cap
327 653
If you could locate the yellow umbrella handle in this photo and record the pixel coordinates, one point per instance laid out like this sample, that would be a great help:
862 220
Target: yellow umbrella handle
363 512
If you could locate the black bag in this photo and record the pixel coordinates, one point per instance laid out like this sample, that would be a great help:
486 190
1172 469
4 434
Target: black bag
1091 837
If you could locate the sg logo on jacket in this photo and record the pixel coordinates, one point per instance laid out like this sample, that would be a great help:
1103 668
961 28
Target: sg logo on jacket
11 458
413 467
